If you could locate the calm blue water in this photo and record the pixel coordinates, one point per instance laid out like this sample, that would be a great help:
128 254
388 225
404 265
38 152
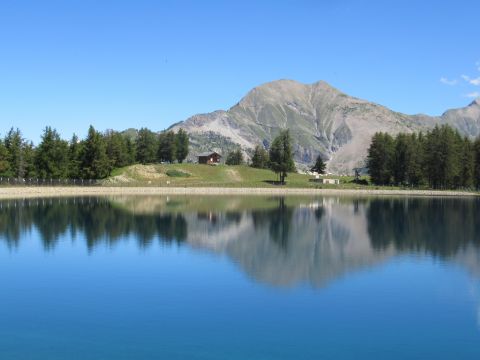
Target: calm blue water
239 278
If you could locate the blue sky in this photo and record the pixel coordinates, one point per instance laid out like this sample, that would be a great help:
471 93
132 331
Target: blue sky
120 64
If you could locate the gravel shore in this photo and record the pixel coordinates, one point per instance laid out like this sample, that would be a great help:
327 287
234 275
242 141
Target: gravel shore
31 192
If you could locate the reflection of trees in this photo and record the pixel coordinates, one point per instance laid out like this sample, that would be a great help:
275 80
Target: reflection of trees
438 226
278 220
314 241
11 219
319 213
97 219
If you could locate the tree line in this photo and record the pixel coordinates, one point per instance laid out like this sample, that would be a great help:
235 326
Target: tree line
440 159
91 158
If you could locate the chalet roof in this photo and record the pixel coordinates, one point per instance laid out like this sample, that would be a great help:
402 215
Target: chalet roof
208 153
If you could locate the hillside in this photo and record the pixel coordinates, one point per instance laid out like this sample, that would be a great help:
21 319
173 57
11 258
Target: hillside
322 120
180 175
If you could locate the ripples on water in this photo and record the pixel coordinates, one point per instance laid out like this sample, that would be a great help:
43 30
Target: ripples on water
419 256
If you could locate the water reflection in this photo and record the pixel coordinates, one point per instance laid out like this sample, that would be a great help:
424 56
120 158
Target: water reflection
280 241
96 219
440 227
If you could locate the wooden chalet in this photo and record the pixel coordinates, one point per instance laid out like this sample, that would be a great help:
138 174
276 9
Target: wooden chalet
209 158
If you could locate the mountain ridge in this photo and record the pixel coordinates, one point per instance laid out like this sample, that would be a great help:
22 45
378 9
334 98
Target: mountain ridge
322 120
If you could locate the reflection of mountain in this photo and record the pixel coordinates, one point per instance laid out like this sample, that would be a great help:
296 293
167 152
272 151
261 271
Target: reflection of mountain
288 245
275 240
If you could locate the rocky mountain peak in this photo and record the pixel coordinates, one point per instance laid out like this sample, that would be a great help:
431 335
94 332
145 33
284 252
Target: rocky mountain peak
475 102
322 121
275 92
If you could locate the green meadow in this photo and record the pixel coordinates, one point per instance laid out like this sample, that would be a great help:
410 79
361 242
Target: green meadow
196 175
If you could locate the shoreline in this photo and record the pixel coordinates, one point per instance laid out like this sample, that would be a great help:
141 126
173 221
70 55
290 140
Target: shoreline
65 191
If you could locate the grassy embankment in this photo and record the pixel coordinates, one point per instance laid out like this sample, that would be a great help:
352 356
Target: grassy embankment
195 175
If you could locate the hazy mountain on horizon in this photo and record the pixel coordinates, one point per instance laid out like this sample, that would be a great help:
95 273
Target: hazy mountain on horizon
322 120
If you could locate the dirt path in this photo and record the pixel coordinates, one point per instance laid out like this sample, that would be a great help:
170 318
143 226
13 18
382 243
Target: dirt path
233 175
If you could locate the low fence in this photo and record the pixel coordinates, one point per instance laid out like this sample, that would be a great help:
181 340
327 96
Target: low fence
5 181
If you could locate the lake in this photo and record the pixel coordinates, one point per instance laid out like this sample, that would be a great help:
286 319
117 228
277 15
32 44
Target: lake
155 277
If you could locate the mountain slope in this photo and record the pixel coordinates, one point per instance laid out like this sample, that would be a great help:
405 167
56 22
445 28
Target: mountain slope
322 120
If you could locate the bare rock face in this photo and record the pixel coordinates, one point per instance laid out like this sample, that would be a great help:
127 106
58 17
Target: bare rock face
322 121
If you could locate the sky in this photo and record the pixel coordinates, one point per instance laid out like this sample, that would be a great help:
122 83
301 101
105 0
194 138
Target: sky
119 64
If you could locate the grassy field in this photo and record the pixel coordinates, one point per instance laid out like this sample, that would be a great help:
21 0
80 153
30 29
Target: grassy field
190 175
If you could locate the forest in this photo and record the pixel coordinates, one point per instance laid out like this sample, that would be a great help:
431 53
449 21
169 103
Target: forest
440 159
91 158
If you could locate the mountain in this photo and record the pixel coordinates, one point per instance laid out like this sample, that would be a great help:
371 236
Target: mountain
322 120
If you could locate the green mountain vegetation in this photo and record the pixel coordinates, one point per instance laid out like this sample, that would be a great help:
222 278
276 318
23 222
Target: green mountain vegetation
94 157
440 159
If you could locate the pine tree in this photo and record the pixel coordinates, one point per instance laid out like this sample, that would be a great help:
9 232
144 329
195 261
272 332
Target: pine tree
442 157
281 158
146 146
476 175
467 163
94 161
29 155
260 158
319 166
4 161
131 151
74 154
401 159
182 145
14 144
51 158
117 149
415 176
380 159
167 148
234 157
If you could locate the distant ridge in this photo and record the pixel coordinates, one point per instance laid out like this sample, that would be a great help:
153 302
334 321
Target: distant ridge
322 120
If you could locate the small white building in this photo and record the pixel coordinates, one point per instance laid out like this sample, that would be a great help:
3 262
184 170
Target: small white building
326 180
331 181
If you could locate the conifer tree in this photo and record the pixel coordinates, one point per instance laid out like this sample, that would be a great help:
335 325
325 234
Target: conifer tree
14 143
117 149
281 157
52 160
146 146
74 156
380 158
234 157
4 161
415 176
182 143
94 161
131 150
476 175
401 159
167 147
441 161
467 163
28 154
319 166
441 158
260 158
